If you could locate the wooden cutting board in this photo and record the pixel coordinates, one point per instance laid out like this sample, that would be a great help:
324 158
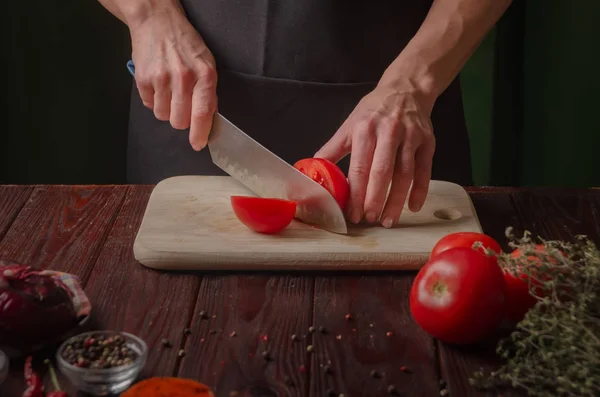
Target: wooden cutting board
189 225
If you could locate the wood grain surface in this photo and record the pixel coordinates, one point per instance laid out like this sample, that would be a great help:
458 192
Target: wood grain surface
89 231
241 335
12 199
190 224
378 347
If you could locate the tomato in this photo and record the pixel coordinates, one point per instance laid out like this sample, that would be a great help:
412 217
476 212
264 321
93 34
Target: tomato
458 296
263 215
464 239
328 175
518 296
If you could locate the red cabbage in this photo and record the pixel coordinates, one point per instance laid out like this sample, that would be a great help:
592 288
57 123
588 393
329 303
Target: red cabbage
35 308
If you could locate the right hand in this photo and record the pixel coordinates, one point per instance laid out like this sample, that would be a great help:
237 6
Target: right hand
175 73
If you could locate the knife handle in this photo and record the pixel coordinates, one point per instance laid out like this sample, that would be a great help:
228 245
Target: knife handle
131 67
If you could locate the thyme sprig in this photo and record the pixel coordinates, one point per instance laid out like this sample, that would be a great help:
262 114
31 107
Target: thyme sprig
555 349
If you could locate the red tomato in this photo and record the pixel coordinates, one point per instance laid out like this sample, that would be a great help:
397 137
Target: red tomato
328 175
464 239
458 296
263 215
518 297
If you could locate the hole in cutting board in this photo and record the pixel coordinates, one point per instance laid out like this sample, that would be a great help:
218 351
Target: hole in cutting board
447 214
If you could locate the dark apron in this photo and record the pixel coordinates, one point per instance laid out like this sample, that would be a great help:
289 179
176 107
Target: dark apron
289 73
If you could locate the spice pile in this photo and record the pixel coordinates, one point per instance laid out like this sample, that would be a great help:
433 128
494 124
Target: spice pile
555 348
98 352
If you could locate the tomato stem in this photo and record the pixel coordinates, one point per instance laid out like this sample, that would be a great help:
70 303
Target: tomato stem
439 288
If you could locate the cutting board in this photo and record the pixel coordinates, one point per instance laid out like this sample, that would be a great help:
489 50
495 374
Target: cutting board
189 225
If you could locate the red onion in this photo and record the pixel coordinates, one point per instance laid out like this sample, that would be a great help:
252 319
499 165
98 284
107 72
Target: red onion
35 308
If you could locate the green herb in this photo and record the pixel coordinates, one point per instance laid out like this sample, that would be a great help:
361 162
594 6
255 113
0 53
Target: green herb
555 349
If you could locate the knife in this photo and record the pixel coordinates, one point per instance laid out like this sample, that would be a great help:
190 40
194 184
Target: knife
269 176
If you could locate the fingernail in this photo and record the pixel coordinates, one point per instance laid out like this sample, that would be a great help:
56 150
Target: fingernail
388 222
371 217
355 216
416 207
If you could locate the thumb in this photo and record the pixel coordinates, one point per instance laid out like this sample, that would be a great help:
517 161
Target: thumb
336 148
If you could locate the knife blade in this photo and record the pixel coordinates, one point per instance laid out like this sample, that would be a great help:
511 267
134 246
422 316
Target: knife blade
269 176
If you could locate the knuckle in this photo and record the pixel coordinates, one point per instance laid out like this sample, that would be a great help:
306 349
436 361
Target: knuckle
185 76
202 111
391 126
382 170
207 75
360 169
161 78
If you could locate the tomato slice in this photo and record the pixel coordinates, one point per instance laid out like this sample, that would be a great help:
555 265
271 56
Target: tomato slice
263 215
328 175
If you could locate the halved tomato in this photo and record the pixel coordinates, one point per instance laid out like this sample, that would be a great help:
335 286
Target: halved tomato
263 215
328 175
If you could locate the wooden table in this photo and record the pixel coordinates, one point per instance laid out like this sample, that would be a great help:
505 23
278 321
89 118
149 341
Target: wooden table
89 231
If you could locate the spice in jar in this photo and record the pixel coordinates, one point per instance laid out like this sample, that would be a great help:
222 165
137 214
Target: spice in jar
98 351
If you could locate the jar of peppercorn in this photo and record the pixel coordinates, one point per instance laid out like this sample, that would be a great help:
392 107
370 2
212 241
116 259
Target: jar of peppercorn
102 362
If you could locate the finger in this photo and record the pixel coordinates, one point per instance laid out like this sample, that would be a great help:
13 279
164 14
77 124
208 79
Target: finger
204 104
422 175
146 91
363 146
181 101
337 147
162 96
381 174
403 175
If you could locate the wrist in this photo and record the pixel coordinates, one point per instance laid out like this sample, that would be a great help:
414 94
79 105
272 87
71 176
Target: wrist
414 77
138 12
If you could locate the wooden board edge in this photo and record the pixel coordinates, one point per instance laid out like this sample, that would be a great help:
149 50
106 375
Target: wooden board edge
303 261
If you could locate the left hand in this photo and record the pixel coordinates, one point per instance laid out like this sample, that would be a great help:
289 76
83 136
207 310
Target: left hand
390 137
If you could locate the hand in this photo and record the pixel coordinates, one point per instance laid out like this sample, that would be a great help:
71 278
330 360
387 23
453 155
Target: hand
175 73
391 139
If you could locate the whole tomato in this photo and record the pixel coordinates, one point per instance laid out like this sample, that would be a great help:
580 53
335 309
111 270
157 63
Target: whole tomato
464 239
518 296
458 296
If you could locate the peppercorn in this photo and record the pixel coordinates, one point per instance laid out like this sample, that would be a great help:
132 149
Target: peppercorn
310 348
311 329
322 330
96 351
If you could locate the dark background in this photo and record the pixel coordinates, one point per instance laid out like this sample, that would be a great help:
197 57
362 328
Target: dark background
530 95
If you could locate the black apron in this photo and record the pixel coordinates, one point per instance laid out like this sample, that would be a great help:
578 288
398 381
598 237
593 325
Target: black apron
289 73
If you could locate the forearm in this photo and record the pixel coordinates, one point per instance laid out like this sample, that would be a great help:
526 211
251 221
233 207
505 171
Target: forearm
135 12
451 32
